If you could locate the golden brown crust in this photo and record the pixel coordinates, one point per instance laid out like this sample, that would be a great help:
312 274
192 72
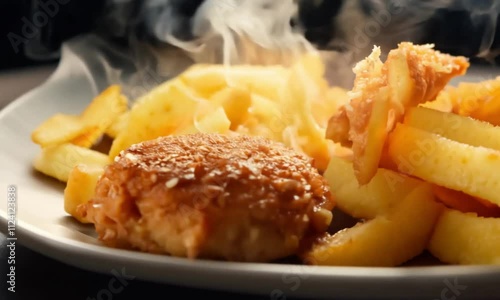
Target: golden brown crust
190 184
431 70
412 74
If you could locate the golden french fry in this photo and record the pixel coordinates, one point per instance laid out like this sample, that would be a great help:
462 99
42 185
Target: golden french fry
165 110
386 190
443 102
235 101
106 107
412 74
100 114
388 240
447 163
368 116
80 188
58 161
368 146
88 138
58 129
302 85
209 79
84 130
455 127
466 203
336 97
478 100
465 238
215 122
264 119
118 125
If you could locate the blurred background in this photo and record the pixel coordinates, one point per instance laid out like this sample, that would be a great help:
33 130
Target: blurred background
25 43
31 31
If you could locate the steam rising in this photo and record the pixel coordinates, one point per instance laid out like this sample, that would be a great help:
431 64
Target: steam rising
259 31
242 31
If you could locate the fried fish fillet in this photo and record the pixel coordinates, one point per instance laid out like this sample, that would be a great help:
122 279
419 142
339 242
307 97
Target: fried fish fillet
212 196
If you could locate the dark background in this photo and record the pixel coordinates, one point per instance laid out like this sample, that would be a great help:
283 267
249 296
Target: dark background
72 18
11 14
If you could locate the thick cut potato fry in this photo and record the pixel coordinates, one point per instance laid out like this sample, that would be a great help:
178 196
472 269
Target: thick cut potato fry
264 119
465 203
103 111
479 100
58 129
119 125
386 190
443 102
88 138
366 164
236 102
417 73
165 110
296 111
465 238
105 108
215 122
84 130
81 188
368 113
209 79
412 74
447 163
455 127
388 240
58 161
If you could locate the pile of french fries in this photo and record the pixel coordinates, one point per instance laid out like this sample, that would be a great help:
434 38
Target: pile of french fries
434 184
291 105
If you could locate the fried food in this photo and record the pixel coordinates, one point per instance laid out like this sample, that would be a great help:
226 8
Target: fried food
185 177
80 188
386 190
49 132
417 73
207 80
466 203
87 128
465 238
167 108
58 161
447 163
291 105
368 113
118 125
479 100
412 74
388 240
210 196
455 127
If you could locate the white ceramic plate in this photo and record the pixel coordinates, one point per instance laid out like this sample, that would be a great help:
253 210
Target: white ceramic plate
44 226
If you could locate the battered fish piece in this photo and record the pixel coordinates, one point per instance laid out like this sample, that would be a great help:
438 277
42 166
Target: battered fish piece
212 196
